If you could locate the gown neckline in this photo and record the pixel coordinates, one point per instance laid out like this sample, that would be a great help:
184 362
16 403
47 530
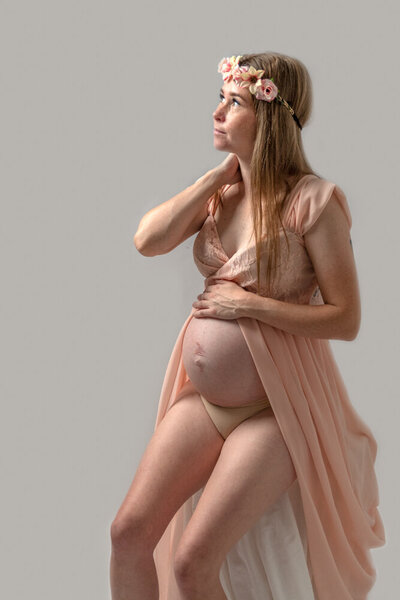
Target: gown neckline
247 248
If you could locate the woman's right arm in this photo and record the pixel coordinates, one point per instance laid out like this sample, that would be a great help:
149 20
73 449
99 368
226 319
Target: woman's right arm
167 225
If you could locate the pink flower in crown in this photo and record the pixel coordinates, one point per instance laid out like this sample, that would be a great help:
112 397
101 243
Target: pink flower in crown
266 90
228 66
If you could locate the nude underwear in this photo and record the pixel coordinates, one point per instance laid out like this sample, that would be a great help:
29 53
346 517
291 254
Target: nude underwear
226 418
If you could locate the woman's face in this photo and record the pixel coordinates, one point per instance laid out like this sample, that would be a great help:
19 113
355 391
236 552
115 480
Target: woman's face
236 119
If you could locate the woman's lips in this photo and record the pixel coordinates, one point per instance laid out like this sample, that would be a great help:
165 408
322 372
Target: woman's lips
219 132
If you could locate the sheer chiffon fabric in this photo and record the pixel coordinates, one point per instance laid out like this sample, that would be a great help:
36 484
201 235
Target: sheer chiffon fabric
314 542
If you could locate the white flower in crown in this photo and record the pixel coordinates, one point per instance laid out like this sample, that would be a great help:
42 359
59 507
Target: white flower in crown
248 77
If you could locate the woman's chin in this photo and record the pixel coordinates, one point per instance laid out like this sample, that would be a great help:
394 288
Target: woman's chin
220 145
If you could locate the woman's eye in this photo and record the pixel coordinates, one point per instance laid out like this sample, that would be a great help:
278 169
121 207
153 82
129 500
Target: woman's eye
221 97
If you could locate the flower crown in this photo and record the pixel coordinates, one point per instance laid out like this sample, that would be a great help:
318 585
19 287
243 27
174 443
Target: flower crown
251 78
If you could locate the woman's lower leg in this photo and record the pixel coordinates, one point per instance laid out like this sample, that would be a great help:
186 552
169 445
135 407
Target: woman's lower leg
133 577
210 589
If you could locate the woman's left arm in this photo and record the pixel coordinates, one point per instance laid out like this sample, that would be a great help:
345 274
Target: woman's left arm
329 246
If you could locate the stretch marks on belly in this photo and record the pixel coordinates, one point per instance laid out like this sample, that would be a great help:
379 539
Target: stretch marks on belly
219 363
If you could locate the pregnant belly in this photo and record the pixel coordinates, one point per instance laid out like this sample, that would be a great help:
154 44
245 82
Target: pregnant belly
219 364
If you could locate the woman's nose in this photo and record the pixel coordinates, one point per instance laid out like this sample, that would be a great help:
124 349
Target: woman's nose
218 113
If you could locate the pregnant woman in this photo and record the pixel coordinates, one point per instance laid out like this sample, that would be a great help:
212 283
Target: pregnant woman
258 482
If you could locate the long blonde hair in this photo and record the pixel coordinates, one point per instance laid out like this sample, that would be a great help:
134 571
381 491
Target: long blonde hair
278 153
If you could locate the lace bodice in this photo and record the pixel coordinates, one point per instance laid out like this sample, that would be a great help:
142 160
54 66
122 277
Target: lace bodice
296 280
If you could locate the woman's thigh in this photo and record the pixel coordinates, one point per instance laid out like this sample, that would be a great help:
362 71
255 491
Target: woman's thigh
253 470
177 462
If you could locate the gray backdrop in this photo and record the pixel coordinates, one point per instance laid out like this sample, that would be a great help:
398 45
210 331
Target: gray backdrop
106 111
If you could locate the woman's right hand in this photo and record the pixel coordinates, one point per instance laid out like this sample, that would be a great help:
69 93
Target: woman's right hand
228 171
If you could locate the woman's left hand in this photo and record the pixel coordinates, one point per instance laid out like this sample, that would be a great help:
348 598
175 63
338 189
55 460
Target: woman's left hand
221 299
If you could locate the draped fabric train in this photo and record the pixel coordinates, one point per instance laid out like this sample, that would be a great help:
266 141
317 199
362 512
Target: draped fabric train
314 543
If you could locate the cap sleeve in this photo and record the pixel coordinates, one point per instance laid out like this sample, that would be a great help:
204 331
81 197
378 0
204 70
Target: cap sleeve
311 201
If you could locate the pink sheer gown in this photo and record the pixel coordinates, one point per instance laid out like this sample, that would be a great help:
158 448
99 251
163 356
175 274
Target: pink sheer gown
314 542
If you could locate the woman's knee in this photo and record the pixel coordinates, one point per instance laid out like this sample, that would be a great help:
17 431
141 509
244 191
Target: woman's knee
132 533
192 563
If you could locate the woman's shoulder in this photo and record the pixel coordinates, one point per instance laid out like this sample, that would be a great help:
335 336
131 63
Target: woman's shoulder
311 195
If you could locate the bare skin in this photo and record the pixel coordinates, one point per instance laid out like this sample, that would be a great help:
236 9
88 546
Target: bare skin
243 475
219 364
